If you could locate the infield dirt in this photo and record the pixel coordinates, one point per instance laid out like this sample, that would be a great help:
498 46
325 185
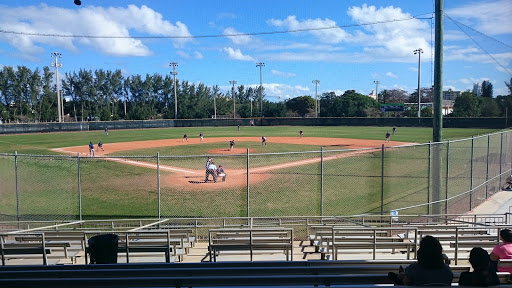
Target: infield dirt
188 179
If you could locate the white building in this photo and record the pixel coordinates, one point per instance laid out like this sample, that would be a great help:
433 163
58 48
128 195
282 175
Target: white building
373 95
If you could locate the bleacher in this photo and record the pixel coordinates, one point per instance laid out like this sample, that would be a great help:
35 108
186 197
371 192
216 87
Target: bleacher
160 253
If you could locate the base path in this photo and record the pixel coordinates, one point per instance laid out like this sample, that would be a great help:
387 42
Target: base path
189 179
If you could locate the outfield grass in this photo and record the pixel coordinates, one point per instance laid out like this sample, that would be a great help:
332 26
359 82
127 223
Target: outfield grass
40 143
49 186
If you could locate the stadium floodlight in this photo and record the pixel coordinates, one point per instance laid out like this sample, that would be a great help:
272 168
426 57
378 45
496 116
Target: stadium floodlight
233 94
376 89
57 65
419 51
261 64
317 104
174 73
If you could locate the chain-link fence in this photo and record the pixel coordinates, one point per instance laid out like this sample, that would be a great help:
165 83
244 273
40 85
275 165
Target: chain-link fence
450 177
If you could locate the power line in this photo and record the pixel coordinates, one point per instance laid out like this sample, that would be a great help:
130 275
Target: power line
213 35
474 30
458 24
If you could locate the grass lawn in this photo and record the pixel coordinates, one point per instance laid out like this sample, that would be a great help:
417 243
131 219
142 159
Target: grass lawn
49 186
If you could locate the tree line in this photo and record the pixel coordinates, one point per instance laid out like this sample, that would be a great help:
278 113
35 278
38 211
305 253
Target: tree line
104 95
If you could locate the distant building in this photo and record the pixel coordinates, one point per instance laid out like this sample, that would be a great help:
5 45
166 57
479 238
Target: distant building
447 107
451 95
477 89
372 95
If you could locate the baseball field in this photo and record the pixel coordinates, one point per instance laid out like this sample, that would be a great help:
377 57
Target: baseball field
284 178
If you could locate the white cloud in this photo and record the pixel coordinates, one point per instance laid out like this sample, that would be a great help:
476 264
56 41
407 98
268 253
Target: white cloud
333 35
240 39
391 75
195 55
394 39
284 91
489 17
237 54
90 20
283 74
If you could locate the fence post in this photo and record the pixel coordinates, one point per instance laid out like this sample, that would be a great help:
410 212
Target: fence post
501 158
322 181
382 182
158 183
447 178
471 176
487 168
248 189
79 186
18 216
429 207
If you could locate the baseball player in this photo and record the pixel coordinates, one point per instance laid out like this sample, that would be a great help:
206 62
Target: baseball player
91 149
221 173
263 140
201 137
231 145
100 146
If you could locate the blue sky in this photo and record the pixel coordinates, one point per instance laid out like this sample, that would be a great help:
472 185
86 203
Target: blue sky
344 44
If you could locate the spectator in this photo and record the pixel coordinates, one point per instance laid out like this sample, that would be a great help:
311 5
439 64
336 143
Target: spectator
481 276
430 268
503 251
509 184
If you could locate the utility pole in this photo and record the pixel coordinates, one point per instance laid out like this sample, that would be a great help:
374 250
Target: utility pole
317 104
174 73
438 109
57 65
233 94
419 51
261 64
376 89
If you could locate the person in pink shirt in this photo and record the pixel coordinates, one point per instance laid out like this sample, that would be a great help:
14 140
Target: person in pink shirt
503 251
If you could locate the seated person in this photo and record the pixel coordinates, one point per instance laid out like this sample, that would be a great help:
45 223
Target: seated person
481 276
430 268
221 173
509 184
503 251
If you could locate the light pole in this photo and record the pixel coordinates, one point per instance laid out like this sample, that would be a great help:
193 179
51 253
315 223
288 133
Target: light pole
233 94
419 51
214 105
376 89
317 104
261 64
57 65
174 73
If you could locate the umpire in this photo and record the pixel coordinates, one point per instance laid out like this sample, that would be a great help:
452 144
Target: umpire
211 169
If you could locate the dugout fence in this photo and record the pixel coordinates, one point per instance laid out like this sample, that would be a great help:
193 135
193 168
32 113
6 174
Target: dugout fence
450 177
